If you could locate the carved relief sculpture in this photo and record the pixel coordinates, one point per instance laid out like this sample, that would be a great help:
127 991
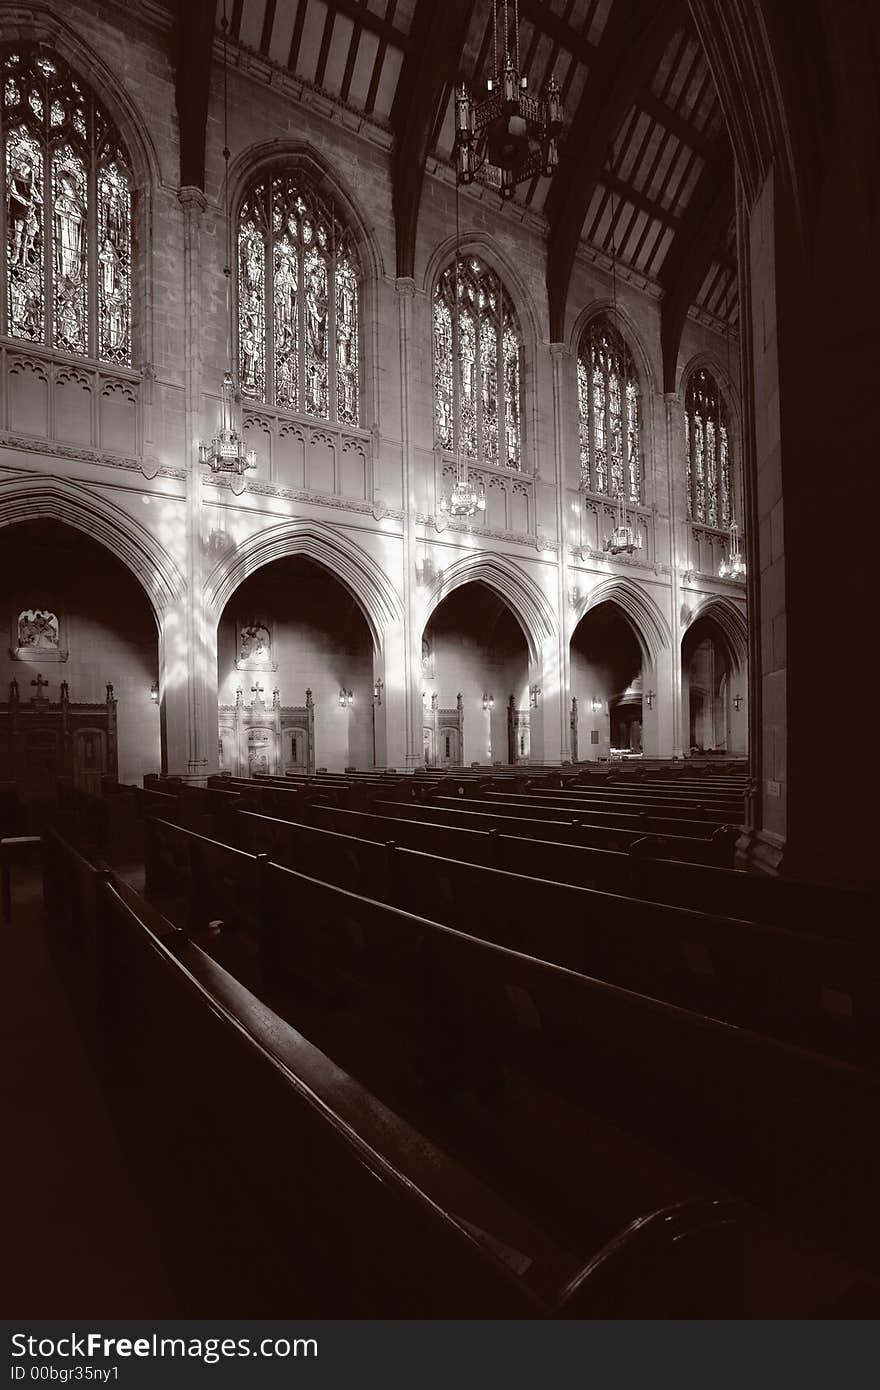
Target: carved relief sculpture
36 636
255 646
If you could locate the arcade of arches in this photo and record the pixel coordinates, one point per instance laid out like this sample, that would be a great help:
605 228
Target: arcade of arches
327 588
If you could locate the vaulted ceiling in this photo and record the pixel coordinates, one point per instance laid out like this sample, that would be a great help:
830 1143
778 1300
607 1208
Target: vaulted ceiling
646 166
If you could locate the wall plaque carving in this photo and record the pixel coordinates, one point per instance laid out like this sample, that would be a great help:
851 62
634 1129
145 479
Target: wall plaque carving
36 636
254 651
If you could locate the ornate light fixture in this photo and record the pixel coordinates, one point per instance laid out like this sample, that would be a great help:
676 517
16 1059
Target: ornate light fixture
534 692
623 539
733 566
596 704
378 687
154 692
488 701
226 453
346 699
466 497
520 132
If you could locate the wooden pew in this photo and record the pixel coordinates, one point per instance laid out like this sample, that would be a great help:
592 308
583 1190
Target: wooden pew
735 970
784 1127
514 804
572 832
326 1175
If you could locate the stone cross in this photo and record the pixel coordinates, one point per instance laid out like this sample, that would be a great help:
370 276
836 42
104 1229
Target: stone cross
39 683
257 690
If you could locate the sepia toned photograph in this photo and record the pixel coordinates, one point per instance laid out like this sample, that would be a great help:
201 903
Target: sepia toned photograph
438 783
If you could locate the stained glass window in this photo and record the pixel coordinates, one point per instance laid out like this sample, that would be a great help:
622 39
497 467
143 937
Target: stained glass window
708 451
298 302
608 409
477 366
67 212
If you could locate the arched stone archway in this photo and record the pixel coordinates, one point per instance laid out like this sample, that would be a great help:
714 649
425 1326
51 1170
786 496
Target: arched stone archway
475 681
79 662
34 497
609 662
377 719
528 603
714 680
346 560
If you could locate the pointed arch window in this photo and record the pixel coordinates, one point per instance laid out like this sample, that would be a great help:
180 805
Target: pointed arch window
608 409
66 216
478 355
708 451
298 301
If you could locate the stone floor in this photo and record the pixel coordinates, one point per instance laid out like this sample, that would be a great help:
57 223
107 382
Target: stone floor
77 1231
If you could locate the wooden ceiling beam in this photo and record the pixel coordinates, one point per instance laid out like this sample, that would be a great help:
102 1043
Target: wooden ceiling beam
438 35
356 10
673 120
192 85
559 30
699 241
631 46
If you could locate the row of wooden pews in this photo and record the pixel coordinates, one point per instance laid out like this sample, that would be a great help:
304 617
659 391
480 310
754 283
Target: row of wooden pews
283 1183
590 1055
554 1084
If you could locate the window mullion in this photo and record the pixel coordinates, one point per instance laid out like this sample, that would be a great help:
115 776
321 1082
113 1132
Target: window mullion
92 288
4 237
301 317
502 458
269 300
457 368
48 236
332 394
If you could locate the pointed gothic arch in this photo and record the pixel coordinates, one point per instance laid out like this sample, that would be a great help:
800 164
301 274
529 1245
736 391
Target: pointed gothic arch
650 627
34 497
523 597
729 620
344 559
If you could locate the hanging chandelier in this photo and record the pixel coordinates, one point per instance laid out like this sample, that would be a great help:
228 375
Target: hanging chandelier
733 566
226 453
521 133
466 498
624 539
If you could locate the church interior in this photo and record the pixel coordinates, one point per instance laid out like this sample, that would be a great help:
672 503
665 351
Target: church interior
434 882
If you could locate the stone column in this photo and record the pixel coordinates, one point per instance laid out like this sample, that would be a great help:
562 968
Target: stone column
405 287
201 752
561 695
763 843
676 463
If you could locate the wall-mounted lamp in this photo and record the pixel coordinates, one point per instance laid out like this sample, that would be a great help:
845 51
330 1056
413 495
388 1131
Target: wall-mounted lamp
488 701
597 705
378 687
534 692
154 692
737 703
650 697
345 698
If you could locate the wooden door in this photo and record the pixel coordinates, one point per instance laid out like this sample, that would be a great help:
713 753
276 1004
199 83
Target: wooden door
89 759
